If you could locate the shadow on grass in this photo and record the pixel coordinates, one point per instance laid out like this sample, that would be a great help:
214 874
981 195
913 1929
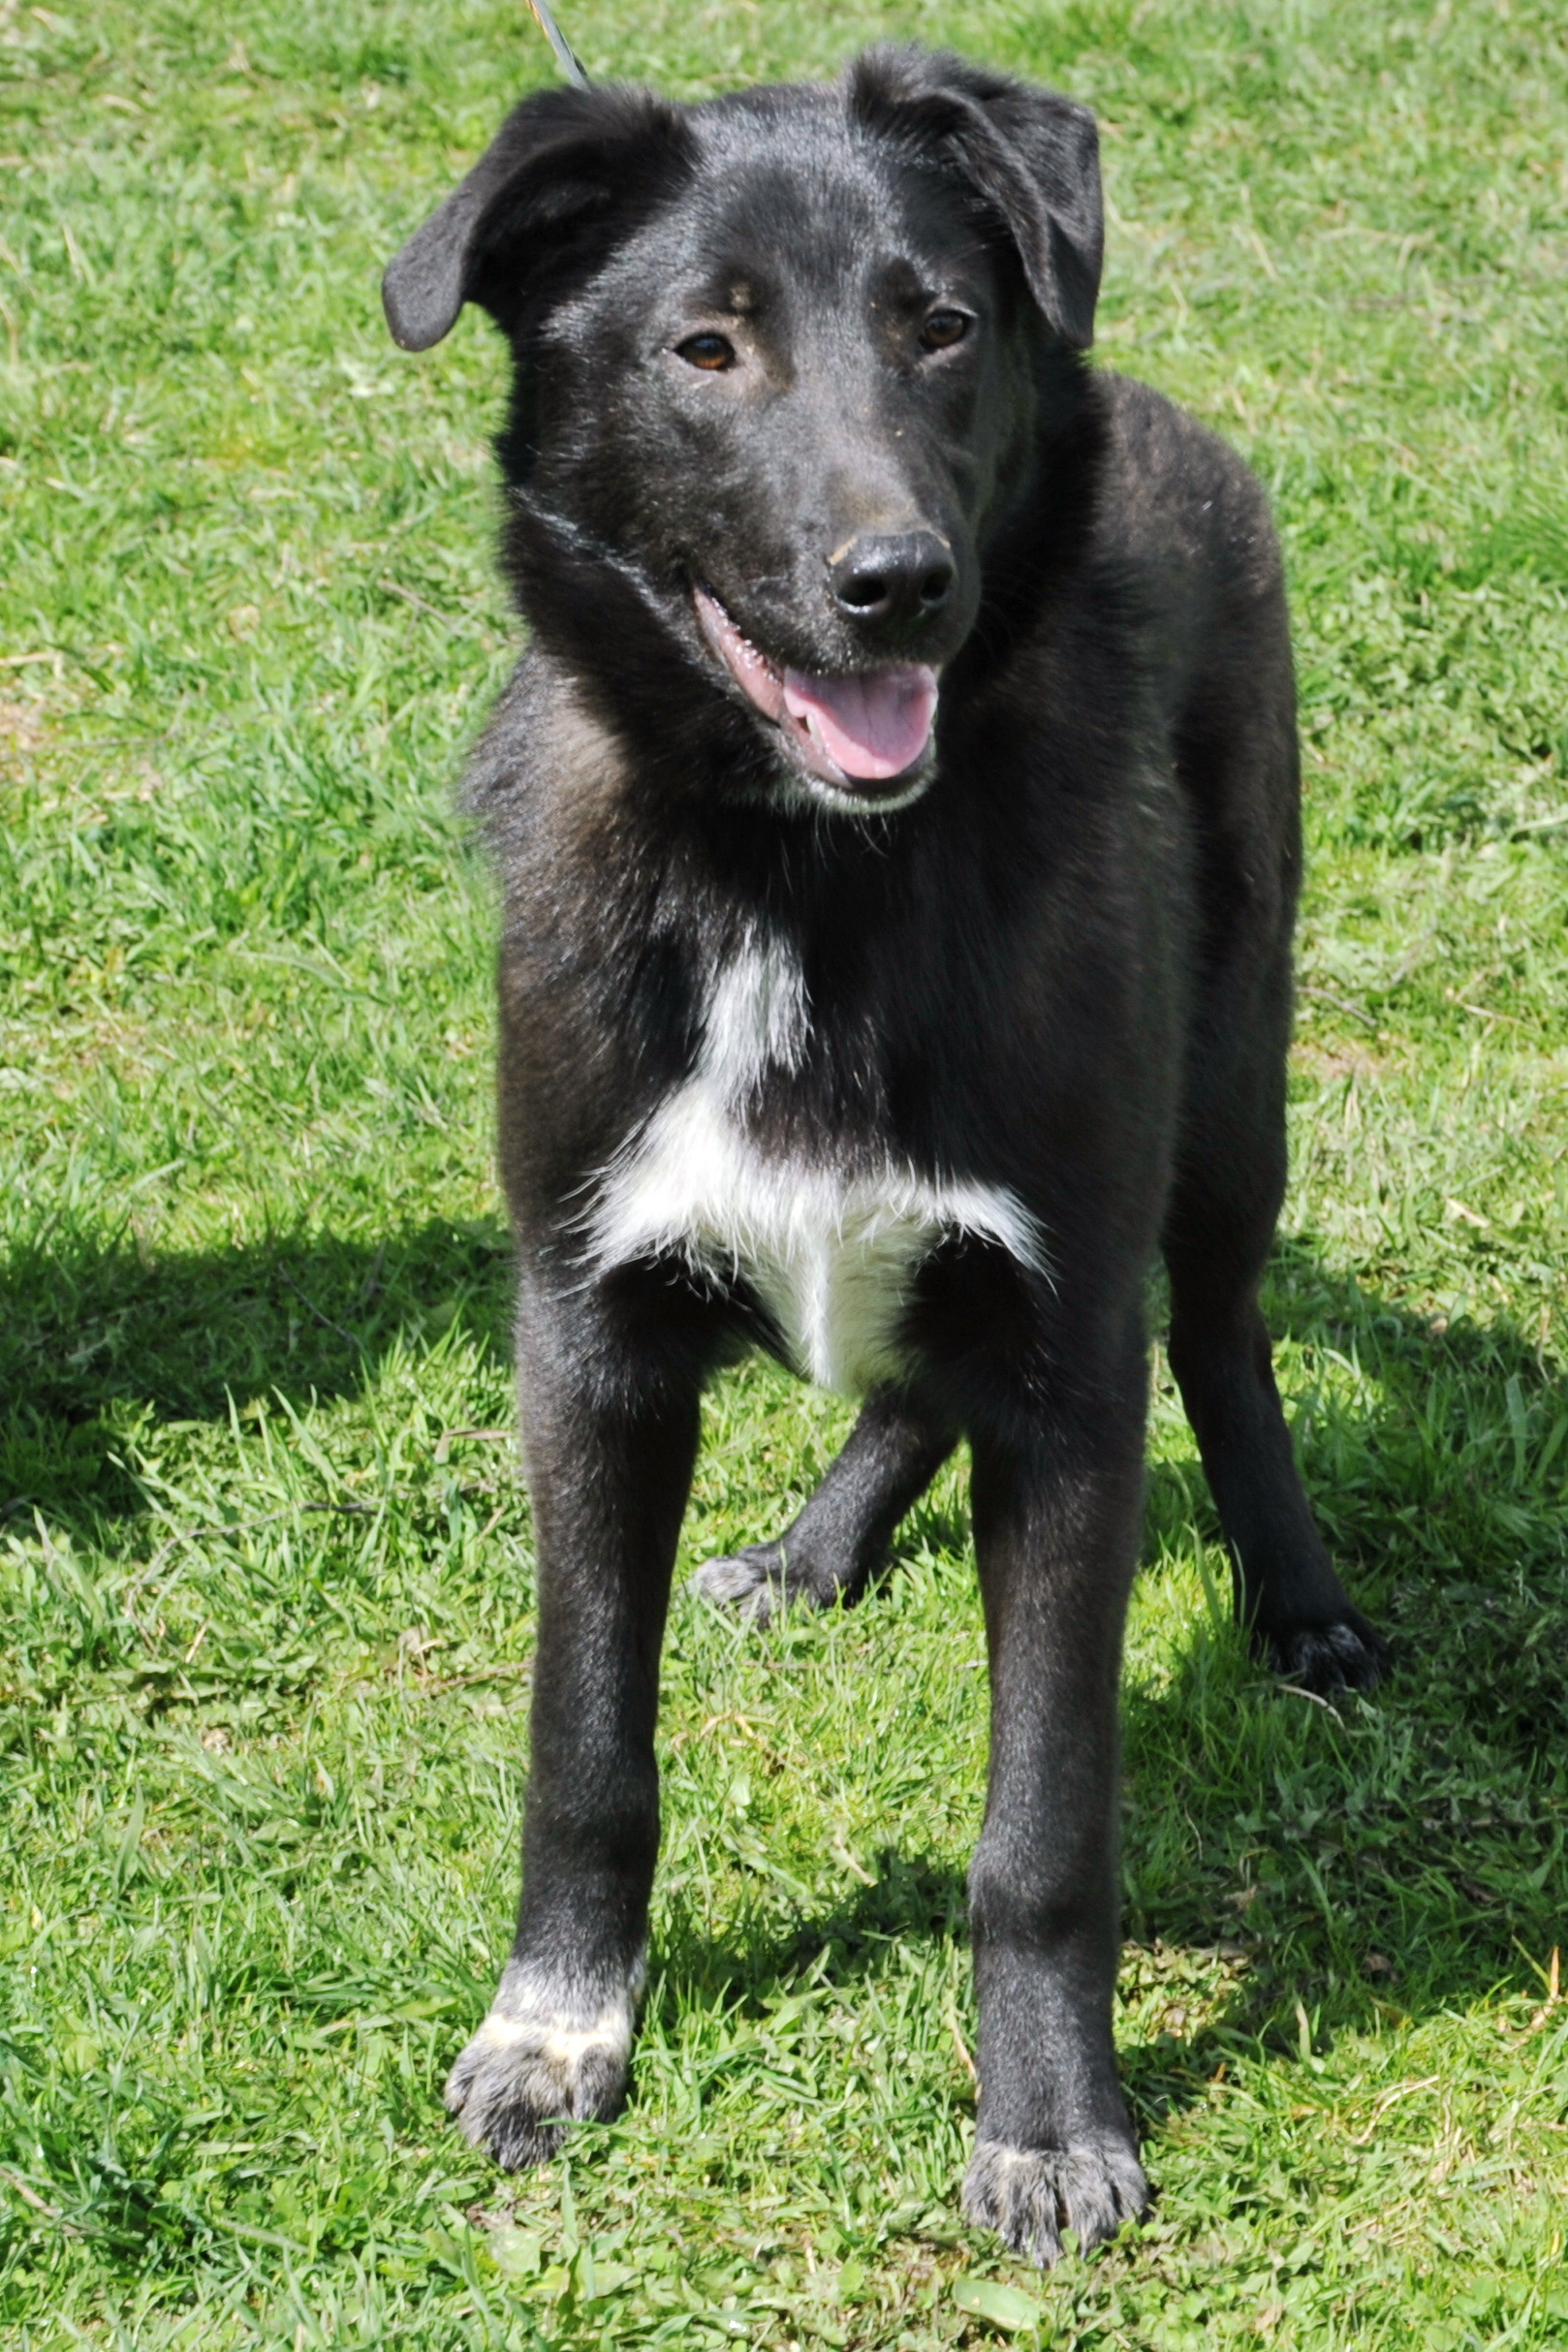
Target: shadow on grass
914 1896
1389 1857
93 1338
1386 1858
1290 1869
1295 1870
94 1341
1290 1874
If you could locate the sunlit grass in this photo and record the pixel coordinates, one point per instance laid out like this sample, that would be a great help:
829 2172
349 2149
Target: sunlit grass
266 1571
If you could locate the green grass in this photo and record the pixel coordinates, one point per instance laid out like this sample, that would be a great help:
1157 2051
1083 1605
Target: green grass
266 1577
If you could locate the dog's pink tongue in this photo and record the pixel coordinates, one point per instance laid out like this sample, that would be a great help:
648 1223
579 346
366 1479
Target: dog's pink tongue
874 726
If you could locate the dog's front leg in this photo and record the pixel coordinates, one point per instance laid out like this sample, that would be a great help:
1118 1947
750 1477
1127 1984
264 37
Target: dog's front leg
1055 1532
609 1461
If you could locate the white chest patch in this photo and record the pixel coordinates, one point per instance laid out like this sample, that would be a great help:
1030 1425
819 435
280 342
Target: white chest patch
831 1253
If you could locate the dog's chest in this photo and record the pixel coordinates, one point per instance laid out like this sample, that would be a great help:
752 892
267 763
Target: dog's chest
830 1244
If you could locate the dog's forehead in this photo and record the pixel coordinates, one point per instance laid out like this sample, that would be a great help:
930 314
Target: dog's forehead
786 175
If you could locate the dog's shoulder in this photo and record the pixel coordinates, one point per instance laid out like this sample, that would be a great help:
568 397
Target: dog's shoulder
541 729
547 780
1175 494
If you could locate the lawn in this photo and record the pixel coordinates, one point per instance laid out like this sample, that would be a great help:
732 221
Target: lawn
266 1570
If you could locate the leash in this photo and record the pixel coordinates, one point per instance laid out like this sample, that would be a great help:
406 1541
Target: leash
565 56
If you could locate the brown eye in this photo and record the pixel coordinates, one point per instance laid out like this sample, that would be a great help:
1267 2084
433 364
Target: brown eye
712 352
943 328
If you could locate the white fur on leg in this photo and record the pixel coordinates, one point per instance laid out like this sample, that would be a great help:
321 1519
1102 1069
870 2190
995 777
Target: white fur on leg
549 2053
1029 2195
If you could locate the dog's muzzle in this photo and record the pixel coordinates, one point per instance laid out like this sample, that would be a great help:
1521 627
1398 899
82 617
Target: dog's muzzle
867 727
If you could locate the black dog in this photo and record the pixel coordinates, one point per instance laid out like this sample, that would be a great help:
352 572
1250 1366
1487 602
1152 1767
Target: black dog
898 817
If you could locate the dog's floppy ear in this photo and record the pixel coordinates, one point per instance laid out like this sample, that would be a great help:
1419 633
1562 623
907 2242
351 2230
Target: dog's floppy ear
1033 155
565 164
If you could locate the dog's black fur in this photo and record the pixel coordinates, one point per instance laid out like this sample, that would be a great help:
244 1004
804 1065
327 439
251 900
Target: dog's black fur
973 1040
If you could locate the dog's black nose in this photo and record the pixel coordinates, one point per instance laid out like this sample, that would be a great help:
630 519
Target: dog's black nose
886 577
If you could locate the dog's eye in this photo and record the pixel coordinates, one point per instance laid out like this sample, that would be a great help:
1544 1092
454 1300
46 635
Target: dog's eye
943 328
712 352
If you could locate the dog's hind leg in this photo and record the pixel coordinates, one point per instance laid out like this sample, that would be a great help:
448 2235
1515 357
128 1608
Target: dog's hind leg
835 1546
1218 1239
610 1445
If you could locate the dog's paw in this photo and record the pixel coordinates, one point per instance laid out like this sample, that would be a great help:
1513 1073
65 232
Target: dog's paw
1348 1654
1029 2195
757 1584
538 2064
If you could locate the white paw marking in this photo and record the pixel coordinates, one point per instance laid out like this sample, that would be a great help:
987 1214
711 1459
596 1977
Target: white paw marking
551 2050
561 2022
559 2044
831 1251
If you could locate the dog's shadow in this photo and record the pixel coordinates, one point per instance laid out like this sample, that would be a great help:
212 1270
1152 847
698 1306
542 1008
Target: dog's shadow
1347 1905
1435 1474
96 1341
1294 1869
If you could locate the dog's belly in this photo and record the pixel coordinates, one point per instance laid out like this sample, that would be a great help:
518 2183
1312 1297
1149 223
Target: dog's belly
830 1254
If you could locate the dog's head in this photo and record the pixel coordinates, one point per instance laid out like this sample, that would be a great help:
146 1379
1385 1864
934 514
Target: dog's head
782 367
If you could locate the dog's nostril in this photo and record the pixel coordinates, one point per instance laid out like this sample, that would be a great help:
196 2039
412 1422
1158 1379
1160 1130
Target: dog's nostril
902 576
864 591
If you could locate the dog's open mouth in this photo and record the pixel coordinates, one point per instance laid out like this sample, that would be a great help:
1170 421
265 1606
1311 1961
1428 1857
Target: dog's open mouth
870 728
